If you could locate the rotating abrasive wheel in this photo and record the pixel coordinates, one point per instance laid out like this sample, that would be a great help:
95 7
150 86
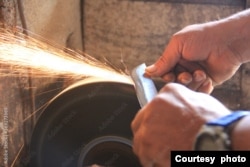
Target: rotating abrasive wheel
88 123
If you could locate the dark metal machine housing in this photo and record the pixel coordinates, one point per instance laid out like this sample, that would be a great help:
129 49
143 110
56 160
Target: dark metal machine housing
86 124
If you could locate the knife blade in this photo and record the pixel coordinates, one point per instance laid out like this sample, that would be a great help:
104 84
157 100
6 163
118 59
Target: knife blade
144 87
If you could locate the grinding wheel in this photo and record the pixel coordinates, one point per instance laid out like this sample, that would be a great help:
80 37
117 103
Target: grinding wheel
86 124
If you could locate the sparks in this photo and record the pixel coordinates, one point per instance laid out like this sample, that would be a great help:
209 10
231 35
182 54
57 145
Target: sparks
29 53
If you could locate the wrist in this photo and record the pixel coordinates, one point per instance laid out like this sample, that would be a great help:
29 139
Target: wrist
237 34
223 134
240 134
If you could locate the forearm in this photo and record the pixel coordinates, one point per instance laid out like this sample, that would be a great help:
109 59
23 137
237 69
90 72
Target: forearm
237 33
241 135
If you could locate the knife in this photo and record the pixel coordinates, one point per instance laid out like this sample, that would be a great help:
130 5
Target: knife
144 87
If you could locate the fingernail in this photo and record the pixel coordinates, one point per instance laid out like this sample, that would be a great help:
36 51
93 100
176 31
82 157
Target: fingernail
151 69
199 77
186 80
169 78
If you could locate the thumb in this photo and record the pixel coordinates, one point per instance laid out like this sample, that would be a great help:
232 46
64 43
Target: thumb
166 62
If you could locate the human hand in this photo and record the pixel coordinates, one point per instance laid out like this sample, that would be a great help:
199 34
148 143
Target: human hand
170 122
199 56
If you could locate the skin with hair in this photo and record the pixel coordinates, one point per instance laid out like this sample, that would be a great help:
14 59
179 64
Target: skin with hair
198 58
202 56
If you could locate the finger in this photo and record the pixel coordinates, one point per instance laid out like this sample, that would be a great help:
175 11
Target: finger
206 87
163 161
199 77
144 159
169 77
137 121
136 143
141 151
189 66
184 78
167 61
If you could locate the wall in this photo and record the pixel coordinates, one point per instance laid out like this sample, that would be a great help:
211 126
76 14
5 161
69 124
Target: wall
57 22
126 33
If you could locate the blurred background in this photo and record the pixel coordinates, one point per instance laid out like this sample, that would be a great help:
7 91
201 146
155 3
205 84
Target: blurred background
124 33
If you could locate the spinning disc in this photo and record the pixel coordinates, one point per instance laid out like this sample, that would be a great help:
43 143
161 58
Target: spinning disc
88 123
